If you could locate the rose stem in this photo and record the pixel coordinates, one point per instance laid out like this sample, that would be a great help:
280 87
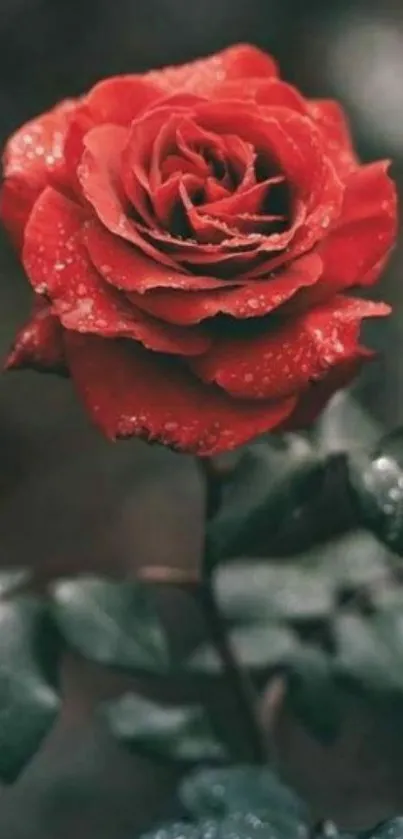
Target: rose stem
238 679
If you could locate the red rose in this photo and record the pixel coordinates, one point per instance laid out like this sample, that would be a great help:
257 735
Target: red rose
190 235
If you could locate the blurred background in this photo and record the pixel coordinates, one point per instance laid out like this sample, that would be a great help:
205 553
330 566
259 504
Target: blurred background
68 499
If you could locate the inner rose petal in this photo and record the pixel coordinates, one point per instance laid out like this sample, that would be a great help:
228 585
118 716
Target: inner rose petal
252 300
99 175
126 267
281 192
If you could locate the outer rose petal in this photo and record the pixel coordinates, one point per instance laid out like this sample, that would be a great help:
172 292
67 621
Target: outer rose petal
80 123
128 391
249 301
292 354
121 99
201 77
356 249
117 100
57 265
33 158
331 120
272 92
39 343
312 401
127 268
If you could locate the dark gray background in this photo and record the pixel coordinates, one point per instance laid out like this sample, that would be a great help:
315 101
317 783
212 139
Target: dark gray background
70 500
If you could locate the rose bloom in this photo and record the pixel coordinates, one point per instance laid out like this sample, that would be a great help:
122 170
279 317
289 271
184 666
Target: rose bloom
190 235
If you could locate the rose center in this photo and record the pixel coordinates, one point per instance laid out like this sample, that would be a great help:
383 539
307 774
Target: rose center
223 196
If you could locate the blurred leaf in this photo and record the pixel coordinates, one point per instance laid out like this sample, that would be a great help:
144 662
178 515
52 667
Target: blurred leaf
267 477
176 733
377 486
12 580
256 647
392 829
260 591
115 624
313 694
355 560
235 826
343 424
328 830
182 830
370 650
28 702
277 823
218 792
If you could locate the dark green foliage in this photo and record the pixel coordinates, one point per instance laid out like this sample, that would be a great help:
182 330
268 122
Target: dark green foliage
28 700
239 802
377 481
262 487
169 732
218 792
115 624
248 802
256 646
329 620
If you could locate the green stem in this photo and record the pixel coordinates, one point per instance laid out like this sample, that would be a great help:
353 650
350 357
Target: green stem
237 678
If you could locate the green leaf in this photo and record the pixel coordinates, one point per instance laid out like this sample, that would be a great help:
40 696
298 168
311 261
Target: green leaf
328 830
253 592
28 702
115 624
376 480
258 647
370 651
179 830
265 481
276 824
343 424
235 826
355 560
13 579
218 792
313 693
172 732
392 829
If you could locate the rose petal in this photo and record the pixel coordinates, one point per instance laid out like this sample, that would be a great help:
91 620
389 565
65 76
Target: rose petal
238 62
128 391
290 355
332 122
39 344
120 99
125 267
168 204
356 249
57 265
80 124
33 158
247 201
99 176
312 400
151 140
289 139
272 92
249 301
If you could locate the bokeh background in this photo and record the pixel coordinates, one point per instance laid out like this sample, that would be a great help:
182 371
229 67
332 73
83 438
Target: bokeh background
69 500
